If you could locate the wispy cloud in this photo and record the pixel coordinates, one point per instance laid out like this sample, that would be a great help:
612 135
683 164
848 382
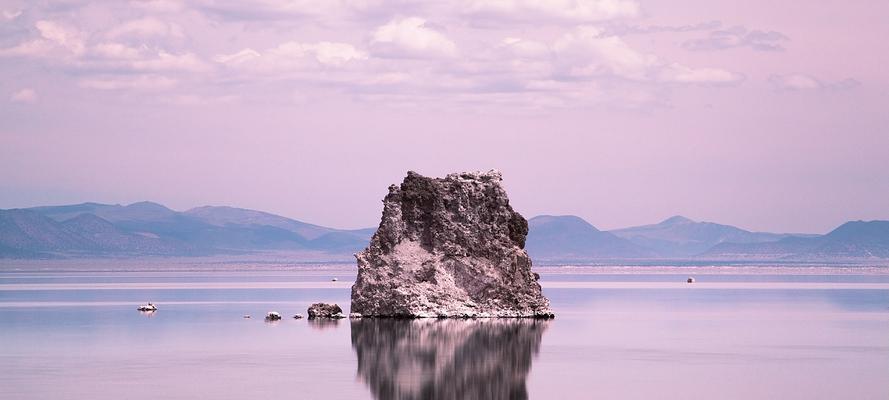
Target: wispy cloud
26 95
738 37
557 10
146 27
621 29
11 14
588 53
54 40
292 56
802 82
147 82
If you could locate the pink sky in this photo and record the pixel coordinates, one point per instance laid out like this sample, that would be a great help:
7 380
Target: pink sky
769 116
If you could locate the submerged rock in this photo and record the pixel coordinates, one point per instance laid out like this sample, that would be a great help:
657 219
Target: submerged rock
324 310
448 247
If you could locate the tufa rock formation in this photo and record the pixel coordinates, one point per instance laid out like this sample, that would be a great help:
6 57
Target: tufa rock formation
324 310
448 247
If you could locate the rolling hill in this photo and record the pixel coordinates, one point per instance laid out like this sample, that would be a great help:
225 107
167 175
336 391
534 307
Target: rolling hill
682 237
570 238
854 239
146 228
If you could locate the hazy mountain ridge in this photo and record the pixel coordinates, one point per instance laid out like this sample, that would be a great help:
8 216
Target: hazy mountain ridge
571 238
853 239
146 228
27 232
679 236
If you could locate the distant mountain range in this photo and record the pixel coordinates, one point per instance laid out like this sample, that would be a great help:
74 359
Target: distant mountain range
146 228
855 239
559 239
681 237
567 238
151 229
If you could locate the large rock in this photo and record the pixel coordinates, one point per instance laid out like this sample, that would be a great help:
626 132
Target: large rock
448 247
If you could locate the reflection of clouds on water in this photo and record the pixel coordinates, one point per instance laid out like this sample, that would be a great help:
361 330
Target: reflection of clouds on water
446 359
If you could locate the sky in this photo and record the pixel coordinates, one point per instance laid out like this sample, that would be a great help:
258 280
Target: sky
770 116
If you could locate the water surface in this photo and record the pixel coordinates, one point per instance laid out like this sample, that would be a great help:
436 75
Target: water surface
735 334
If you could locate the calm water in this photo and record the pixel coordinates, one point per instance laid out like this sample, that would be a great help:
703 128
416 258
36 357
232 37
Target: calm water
742 333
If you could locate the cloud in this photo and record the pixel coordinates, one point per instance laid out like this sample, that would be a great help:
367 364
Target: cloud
149 82
801 82
557 10
621 29
55 40
32 48
738 37
191 100
160 6
331 53
293 56
523 48
411 37
146 27
271 10
10 15
243 56
286 11
69 38
25 95
679 73
125 58
587 53
112 50
401 57
164 61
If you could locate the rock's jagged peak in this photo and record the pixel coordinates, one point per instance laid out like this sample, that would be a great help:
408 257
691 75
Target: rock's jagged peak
490 175
448 247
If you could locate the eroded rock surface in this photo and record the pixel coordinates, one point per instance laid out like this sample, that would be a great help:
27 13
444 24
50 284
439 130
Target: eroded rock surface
324 310
448 247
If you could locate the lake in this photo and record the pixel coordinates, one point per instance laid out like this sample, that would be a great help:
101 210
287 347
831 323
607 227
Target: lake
739 332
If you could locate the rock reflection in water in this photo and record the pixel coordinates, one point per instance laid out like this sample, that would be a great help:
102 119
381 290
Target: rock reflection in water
323 323
446 359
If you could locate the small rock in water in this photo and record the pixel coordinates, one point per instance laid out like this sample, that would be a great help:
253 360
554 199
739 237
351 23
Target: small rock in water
297 316
690 280
334 280
324 310
246 316
273 316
